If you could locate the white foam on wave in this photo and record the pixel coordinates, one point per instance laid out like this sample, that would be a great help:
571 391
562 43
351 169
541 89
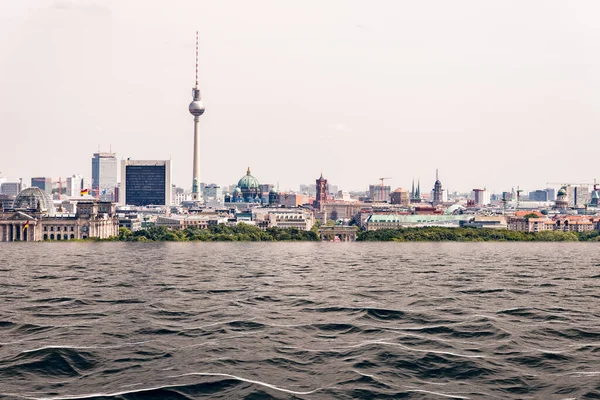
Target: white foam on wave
450 396
248 381
385 343
125 392
66 346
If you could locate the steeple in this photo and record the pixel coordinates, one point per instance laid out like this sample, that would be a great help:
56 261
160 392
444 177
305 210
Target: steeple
418 195
412 191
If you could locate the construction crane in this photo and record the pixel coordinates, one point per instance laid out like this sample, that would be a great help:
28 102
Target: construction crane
519 191
382 179
573 184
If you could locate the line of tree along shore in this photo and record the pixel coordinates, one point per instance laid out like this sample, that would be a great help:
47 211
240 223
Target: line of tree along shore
440 234
217 233
249 233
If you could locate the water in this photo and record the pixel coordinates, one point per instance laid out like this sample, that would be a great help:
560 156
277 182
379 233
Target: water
299 320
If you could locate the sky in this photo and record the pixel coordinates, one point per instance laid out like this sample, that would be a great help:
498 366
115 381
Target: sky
495 94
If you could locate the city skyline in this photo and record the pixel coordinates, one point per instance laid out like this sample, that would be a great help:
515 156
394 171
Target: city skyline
351 92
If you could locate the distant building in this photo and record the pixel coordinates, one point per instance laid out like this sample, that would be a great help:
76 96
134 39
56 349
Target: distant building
481 197
578 196
43 183
379 193
145 182
400 196
104 175
74 185
393 221
33 218
283 218
11 188
321 192
562 202
538 195
551 193
437 190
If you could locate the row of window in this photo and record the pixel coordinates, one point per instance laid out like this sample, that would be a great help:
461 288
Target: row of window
58 237
65 228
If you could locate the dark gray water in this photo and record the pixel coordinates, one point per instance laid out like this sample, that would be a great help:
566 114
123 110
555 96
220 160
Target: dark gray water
305 320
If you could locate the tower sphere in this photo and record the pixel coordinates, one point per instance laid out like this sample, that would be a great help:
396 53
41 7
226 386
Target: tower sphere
196 108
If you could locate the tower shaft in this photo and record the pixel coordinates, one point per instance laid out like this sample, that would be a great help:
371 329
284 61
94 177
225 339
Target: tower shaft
196 171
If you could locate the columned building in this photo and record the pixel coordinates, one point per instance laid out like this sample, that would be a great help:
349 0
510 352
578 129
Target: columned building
33 219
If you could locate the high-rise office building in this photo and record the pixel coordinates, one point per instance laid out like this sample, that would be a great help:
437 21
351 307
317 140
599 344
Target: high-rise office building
104 176
74 185
145 182
43 183
578 196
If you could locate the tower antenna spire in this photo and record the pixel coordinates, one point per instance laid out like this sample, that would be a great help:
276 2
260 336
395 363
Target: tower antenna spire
196 59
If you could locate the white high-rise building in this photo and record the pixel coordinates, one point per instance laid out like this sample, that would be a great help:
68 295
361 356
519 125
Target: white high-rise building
481 197
74 185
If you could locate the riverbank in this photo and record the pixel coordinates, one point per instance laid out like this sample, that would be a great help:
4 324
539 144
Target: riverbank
250 233
439 234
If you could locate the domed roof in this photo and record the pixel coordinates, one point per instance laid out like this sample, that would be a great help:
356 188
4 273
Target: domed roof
248 181
237 190
562 192
275 191
32 198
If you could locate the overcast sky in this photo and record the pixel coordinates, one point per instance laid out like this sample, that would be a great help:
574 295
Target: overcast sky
493 93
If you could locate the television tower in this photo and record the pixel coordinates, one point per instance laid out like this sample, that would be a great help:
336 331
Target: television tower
196 109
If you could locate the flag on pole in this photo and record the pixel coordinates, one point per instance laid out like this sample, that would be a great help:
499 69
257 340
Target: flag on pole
84 192
26 225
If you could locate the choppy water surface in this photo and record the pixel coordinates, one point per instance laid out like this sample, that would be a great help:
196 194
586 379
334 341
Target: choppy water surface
306 320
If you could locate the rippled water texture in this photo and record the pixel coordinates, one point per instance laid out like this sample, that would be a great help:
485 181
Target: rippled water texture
305 320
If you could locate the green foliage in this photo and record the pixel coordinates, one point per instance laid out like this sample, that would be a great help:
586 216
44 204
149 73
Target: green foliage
530 215
217 233
441 234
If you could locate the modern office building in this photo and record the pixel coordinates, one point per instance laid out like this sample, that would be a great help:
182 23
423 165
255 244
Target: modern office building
481 197
145 182
74 185
538 195
43 183
104 176
11 188
578 196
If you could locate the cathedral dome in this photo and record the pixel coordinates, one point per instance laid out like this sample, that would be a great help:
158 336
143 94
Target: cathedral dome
562 192
248 182
34 198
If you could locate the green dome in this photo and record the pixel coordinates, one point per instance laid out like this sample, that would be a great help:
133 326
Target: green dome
248 182
562 192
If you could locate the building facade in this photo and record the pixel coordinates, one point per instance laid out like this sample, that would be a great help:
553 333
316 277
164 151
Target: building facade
43 183
104 175
92 220
145 182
